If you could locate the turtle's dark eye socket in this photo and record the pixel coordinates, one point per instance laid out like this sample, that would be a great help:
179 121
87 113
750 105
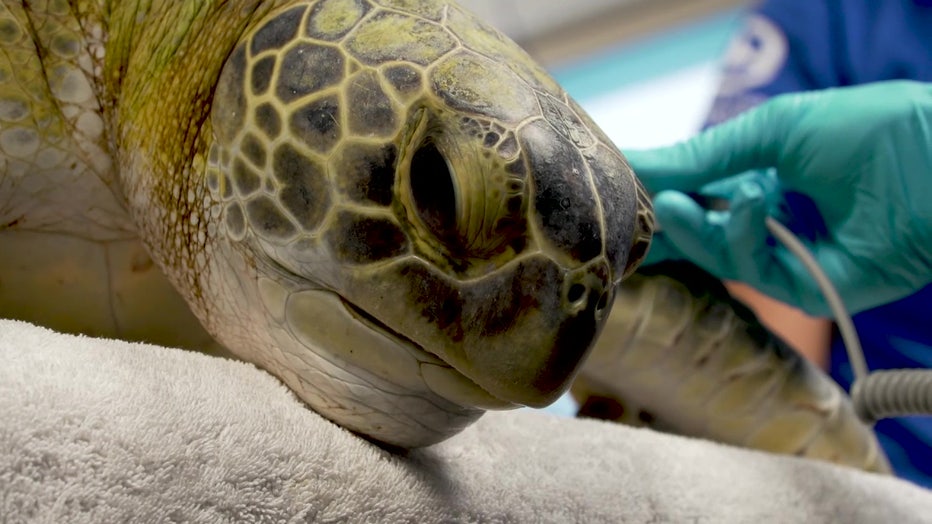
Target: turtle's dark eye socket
433 191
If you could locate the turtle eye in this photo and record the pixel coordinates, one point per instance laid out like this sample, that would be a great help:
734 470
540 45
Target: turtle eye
433 191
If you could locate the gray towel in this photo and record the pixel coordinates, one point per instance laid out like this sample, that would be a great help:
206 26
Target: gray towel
106 431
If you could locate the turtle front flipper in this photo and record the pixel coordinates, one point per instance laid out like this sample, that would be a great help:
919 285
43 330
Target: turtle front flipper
694 361
388 205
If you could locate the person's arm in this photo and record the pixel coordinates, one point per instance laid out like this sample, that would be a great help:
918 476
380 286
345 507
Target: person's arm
783 47
808 335
863 155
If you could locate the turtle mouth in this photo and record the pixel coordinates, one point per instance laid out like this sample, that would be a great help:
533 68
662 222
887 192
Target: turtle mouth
438 375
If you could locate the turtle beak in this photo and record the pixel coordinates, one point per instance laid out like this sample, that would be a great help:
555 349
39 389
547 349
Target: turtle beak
554 323
522 331
520 334
593 220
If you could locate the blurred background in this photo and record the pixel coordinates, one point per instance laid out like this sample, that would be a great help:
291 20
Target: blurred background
645 70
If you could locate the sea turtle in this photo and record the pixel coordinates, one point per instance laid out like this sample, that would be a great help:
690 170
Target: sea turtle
387 204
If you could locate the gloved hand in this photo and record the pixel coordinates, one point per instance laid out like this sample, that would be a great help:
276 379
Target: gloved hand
862 154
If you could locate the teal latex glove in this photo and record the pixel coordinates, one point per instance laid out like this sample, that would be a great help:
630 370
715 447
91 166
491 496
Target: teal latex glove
862 154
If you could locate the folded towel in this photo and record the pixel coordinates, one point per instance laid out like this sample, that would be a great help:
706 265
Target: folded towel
106 431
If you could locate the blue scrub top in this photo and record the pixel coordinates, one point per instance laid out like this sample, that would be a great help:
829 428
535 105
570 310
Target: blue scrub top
798 45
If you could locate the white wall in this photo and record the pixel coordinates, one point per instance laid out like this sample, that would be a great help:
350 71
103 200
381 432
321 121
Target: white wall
657 111
524 19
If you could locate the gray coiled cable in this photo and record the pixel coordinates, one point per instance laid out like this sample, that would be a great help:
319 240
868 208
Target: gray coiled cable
894 393
877 395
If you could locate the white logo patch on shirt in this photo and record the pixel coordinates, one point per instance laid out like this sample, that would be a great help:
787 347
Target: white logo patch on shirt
754 58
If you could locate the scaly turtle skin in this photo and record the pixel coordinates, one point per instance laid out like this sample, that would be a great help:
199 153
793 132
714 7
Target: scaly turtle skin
680 355
386 204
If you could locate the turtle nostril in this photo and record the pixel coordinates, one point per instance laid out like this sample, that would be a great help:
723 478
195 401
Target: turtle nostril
644 230
576 293
636 256
603 302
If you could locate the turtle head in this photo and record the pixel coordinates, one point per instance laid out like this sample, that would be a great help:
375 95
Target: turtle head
430 223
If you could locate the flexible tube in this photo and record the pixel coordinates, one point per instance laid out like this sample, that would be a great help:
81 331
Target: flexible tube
893 393
877 395
845 325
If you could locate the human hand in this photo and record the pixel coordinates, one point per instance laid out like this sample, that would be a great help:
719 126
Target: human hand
862 154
